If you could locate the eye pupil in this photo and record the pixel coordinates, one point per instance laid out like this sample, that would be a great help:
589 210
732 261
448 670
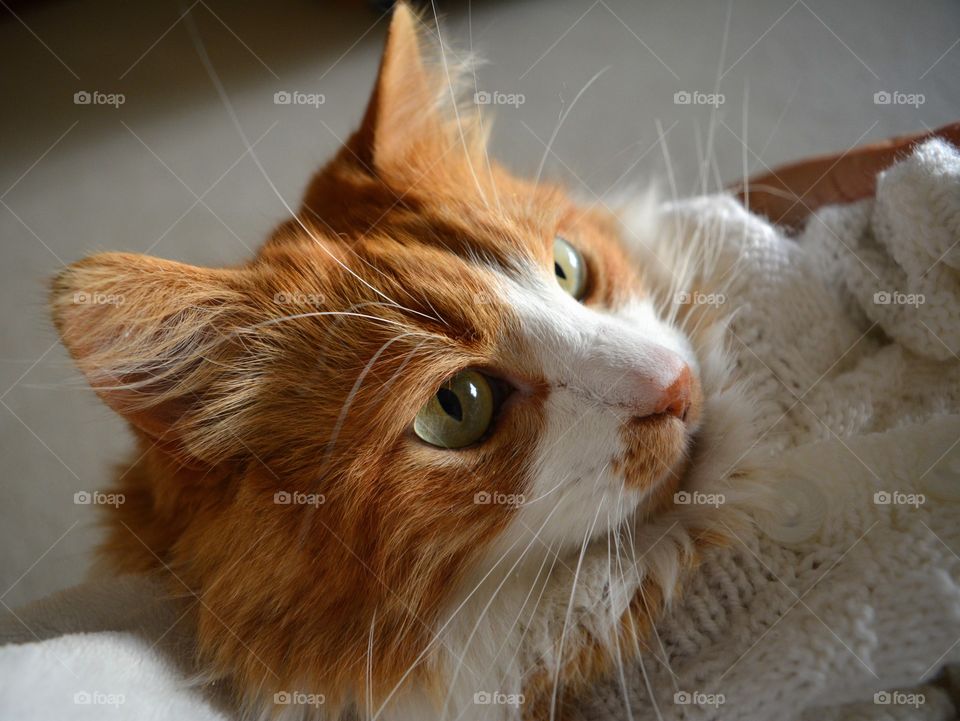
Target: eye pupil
450 403
559 271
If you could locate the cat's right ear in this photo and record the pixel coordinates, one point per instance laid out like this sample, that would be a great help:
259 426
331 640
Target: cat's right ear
156 340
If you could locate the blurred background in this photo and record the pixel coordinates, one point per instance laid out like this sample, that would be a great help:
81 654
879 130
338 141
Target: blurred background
114 137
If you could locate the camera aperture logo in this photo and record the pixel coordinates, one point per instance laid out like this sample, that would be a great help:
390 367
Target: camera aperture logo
899 498
296 97
484 97
298 498
695 97
99 698
496 498
698 698
96 498
95 97
899 698
698 298
498 698
895 297
896 97
698 498
298 698
97 298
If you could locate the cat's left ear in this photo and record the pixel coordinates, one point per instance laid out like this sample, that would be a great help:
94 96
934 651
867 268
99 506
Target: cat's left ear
404 119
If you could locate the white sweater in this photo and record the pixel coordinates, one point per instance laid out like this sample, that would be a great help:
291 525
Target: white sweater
828 594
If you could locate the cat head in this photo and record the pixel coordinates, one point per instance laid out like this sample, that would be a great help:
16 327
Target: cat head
433 367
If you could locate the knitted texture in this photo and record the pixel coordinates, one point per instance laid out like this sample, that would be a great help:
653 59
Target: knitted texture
844 603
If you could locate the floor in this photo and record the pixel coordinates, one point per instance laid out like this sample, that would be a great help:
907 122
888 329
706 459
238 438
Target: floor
167 172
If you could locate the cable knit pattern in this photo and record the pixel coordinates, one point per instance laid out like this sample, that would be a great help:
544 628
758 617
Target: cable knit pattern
845 601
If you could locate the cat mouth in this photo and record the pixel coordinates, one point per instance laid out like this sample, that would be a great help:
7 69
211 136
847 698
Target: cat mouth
657 450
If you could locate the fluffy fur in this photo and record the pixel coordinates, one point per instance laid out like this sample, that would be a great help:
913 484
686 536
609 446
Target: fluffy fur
386 587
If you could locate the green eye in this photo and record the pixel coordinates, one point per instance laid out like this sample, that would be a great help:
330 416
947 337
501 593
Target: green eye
459 413
569 267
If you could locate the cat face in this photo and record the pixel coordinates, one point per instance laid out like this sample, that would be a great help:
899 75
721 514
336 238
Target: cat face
434 367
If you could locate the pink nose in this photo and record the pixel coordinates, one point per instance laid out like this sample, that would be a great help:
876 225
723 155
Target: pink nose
675 398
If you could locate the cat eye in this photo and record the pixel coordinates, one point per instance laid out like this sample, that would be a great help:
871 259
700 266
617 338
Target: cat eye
459 413
569 267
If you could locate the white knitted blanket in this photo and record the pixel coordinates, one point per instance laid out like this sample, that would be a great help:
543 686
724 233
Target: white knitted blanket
848 337
846 603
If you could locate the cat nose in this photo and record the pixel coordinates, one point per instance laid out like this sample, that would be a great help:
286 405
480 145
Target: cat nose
674 400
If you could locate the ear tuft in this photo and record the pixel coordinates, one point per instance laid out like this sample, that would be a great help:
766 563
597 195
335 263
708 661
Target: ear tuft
152 337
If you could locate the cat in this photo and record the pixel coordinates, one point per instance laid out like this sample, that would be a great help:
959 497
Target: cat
381 453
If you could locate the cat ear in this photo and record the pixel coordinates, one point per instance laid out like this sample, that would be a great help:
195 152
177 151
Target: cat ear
155 339
403 113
